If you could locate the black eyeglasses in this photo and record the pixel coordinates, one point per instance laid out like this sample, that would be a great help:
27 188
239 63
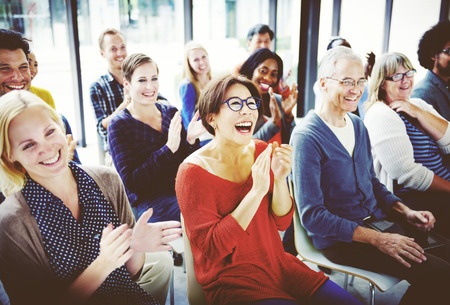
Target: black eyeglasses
446 51
350 83
399 76
235 103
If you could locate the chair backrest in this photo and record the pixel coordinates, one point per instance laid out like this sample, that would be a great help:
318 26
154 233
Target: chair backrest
307 252
195 293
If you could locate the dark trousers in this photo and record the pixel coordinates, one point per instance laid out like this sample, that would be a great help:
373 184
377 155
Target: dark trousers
437 203
429 279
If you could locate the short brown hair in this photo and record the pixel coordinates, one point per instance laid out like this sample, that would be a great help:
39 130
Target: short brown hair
132 62
108 31
212 95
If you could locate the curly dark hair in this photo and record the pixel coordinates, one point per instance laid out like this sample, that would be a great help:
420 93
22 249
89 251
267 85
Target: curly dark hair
257 58
11 40
432 43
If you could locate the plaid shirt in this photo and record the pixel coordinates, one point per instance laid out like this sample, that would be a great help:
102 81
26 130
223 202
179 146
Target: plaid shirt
106 95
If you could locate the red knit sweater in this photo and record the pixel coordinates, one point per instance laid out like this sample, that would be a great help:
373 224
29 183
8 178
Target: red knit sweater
236 266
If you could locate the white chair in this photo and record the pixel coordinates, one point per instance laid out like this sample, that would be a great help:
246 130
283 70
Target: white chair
195 292
308 252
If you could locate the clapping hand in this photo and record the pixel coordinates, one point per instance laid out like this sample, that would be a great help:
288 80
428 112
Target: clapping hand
174 134
195 128
72 145
290 101
152 237
115 246
261 171
281 160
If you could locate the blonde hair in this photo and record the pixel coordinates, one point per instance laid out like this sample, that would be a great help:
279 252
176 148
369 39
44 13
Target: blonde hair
108 31
385 66
12 174
188 72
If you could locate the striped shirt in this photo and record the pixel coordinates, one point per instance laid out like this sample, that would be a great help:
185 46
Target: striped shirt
426 150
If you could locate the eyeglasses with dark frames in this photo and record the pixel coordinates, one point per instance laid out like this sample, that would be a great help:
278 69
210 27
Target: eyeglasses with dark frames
350 83
446 51
235 103
399 76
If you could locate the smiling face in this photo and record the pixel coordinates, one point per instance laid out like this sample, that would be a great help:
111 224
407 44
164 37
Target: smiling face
199 62
144 84
34 67
235 126
38 144
14 71
401 90
339 97
265 75
259 41
114 50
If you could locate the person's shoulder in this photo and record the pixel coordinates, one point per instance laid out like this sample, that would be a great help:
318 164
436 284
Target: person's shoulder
102 81
39 91
166 108
12 208
378 111
121 119
185 83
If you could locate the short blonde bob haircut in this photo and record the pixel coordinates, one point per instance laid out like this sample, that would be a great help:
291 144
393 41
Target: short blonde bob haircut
12 174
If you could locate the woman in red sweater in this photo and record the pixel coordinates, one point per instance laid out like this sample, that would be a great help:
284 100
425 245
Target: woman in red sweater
234 198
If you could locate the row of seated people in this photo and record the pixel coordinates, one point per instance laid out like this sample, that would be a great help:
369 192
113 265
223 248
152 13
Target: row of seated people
147 141
145 69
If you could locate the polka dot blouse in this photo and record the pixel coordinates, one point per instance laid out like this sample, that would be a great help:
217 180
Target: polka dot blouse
72 245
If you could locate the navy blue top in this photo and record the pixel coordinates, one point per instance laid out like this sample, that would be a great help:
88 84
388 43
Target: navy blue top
140 154
333 190
72 245
426 150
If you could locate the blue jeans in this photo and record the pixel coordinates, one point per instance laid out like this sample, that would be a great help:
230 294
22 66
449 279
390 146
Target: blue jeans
327 294
164 208
3 296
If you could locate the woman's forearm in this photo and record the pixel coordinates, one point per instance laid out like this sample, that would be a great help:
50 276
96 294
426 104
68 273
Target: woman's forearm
281 198
90 280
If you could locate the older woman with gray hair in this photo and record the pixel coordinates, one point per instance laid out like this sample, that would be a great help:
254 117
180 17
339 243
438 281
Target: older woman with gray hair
409 140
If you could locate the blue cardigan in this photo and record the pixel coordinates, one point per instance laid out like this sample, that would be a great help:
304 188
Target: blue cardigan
333 190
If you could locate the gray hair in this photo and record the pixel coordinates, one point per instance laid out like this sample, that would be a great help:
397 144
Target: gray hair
328 63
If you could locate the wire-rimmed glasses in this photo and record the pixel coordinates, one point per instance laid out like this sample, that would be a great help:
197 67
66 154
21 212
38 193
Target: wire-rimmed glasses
399 76
350 83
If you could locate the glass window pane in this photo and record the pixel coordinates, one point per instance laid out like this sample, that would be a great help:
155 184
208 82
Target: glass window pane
288 36
410 19
362 24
